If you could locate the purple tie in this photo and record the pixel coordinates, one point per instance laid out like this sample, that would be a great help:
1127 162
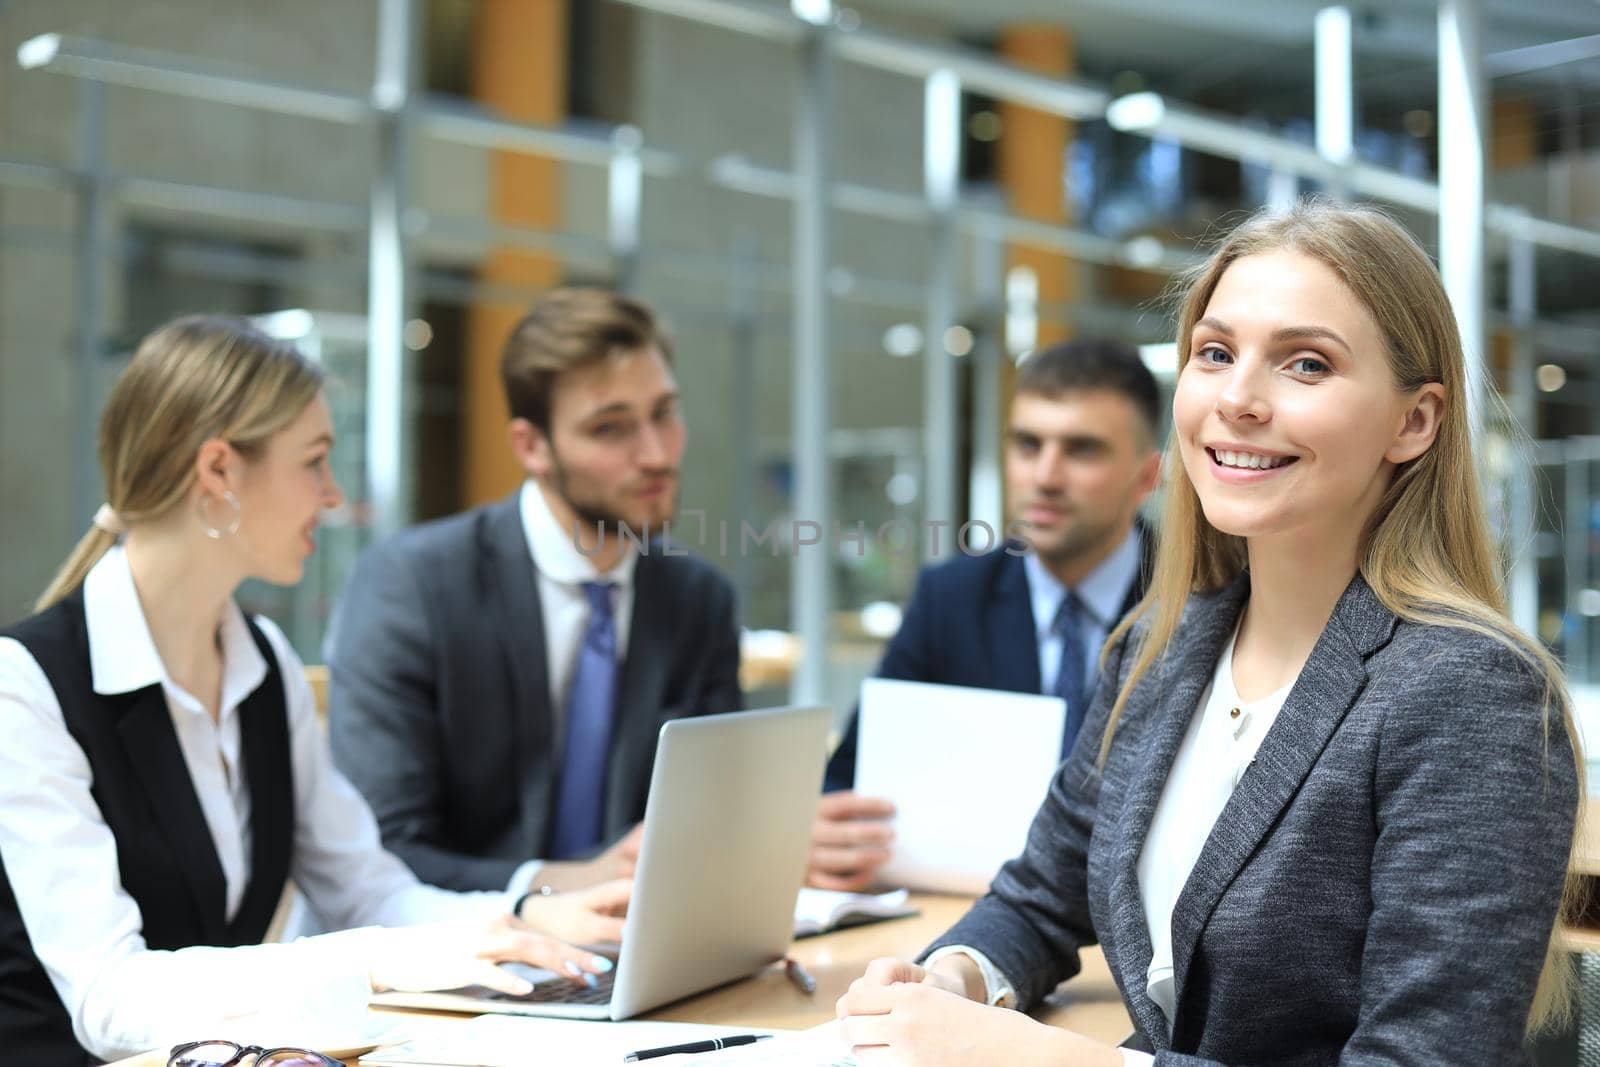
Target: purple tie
1070 685
591 704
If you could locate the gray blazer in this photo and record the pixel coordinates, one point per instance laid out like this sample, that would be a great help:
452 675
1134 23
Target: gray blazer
1381 886
439 702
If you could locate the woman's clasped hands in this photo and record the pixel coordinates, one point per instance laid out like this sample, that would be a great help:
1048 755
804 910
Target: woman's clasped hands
900 1014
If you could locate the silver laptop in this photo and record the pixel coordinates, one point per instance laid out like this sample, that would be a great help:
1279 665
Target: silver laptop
727 829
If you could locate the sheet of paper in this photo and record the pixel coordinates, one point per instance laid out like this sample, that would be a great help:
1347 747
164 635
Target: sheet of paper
821 1046
967 770
525 1041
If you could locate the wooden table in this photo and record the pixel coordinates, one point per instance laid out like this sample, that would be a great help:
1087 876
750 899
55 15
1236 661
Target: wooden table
1584 936
1089 1003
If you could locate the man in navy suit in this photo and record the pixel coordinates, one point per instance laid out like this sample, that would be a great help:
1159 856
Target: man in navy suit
1031 616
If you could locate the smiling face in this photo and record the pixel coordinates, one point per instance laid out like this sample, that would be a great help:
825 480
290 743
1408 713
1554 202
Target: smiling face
282 494
615 441
1286 412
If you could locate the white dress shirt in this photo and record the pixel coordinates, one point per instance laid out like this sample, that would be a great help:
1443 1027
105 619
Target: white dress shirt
560 571
61 857
1101 593
1218 746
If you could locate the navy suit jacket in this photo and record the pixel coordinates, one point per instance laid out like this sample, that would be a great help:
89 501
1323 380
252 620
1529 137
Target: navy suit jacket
970 622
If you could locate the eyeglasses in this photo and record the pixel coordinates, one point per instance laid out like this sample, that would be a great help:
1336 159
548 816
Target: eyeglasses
227 1054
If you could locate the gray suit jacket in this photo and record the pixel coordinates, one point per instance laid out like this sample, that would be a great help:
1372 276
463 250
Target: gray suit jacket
439 702
1379 889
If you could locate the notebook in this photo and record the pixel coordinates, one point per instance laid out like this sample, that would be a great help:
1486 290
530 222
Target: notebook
818 911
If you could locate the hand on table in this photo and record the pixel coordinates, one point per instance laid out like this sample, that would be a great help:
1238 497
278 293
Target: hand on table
850 840
450 955
902 1015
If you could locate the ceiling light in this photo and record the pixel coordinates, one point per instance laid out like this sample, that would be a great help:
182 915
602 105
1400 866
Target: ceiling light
1550 376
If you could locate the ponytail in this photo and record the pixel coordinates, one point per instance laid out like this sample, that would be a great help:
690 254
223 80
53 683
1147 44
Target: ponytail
88 551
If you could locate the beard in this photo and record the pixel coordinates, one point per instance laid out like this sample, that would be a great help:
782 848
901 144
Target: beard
595 512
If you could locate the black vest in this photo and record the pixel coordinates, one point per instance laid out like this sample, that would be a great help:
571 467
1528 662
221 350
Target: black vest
165 857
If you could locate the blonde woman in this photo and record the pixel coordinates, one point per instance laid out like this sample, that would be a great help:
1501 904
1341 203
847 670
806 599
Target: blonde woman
162 772
1323 814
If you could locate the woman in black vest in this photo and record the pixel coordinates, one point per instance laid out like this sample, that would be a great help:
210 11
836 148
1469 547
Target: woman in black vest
162 771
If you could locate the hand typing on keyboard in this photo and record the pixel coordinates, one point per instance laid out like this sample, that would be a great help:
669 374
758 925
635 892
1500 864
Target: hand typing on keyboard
549 987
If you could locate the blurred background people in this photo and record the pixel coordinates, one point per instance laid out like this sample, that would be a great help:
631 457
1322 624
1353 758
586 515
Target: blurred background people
498 678
1032 615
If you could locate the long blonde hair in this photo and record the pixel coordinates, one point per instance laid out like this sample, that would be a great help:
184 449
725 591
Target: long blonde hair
1427 553
194 379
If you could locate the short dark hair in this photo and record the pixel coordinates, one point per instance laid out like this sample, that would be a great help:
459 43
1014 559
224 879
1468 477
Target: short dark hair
569 328
1093 363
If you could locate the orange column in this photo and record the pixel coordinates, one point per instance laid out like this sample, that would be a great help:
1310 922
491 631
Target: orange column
1032 151
1513 142
519 70
1032 163
1513 134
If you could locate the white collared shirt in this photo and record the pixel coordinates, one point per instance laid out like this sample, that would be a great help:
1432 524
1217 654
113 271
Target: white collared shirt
1102 593
561 571
61 857
1219 744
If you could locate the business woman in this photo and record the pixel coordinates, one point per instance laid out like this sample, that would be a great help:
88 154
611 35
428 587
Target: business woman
1323 814
162 771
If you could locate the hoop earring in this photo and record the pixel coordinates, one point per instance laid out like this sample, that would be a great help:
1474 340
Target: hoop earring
214 532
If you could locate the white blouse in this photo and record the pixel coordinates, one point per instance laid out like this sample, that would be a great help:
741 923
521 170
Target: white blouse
61 857
1219 745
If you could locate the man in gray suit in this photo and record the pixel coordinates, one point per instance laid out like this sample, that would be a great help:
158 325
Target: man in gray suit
498 678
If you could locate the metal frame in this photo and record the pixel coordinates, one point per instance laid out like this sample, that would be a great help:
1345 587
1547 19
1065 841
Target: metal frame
1462 121
811 588
821 37
1335 76
1523 584
1152 115
941 154
1335 92
389 451
94 225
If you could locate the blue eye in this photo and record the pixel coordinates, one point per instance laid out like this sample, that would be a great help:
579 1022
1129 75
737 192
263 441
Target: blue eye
1309 366
1213 355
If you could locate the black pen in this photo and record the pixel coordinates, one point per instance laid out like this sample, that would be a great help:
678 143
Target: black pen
712 1045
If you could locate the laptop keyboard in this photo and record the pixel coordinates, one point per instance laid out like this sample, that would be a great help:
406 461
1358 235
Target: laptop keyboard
553 989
